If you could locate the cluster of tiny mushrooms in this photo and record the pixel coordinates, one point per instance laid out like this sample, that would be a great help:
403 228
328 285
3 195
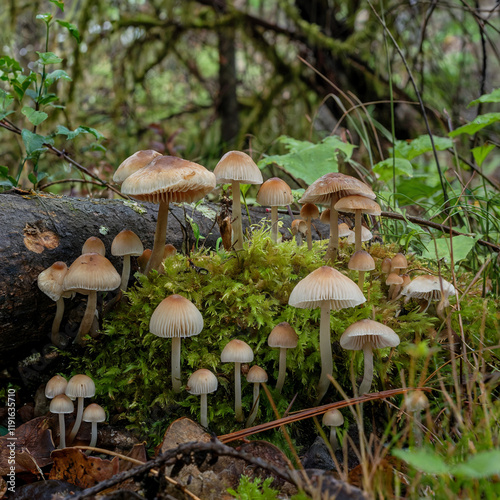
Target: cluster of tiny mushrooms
152 177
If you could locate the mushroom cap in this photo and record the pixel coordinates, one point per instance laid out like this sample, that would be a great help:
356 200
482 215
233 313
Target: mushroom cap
55 386
399 262
91 271
335 185
309 211
169 250
333 418
50 281
256 375
126 242
169 179
353 203
394 279
367 330
325 216
236 351
237 166
299 226
428 287
361 261
416 401
202 381
61 404
326 285
80 386
344 230
94 413
366 235
275 192
385 267
176 316
133 163
283 335
94 245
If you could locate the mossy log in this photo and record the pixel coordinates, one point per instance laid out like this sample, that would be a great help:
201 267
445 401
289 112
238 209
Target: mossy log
37 229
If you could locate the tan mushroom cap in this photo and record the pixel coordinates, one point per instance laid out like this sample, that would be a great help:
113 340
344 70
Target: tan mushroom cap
283 335
256 375
326 285
50 281
169 179
416 401
333 418
237 166
352 203
169 250
309 211
399 262
367 330
91 272
80 386
133 163
344 230
428 287
299 226
335 185
361 261
385 267
61 404
237 351
366 235
55 386
202 381
94 245
275 192
394 279
126 242
325 216
176 316
94 413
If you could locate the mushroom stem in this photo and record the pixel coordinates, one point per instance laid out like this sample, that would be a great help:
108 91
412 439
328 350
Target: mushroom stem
282 370
357 230
361 279
417 429
93 437
203 410
236 222
333 244
78 421
366 384
238 410
325 349
62 432
333 439
56 324
125 272
309 233
160 238
255 407
274 224
88 318
176 364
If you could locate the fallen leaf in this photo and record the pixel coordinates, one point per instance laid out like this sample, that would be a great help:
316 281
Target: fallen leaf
182 430
138 452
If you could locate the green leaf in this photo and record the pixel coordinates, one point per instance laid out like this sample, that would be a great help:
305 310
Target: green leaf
34 143
384 169
477 124
47 99
71 134
492 97
423 460
462 245
55 75
45 17
58 3
48 58
73 30
420 145
21 83
5 101
35 117
484 464
481 152
8 65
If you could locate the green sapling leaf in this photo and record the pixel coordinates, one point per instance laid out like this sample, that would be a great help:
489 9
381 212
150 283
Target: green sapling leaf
35 117
48 58
73 30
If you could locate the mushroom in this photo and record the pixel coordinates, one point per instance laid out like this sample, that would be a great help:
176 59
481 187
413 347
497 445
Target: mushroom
308 212
55 386
165 180
361 261
327 190
256 376
126 244
398 262
428 287
328 289
202 382
133 163
299 230
237 352
94 245
358 205
60 405
366 235
333 419
393 280
236 168
79 387
284 337
416 402
367 335
176 317
143 259
344 230
385 267
93 414
274 193
89 274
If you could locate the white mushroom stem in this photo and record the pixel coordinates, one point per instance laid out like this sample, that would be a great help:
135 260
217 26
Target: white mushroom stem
56 324
333 244
357 230
274 224
282 369
366 384
62 432
125 272
325 349
417 429
236 222
176 364
160 238
78 421
238 410
203 410
333 438
361 279
309 233
88 318
93 437
255 408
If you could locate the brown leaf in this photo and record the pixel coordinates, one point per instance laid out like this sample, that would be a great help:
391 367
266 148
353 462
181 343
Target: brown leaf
73 466
138 452
182 430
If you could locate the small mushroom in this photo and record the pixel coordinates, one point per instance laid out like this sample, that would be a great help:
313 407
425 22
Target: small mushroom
393 280
398 262
126 244
256 376
416 402
202 382
361 261
308 212
79 387
60 405
333 419
299 230
428 287
366 235
94 245
93 414
284 337
55 386
133 163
